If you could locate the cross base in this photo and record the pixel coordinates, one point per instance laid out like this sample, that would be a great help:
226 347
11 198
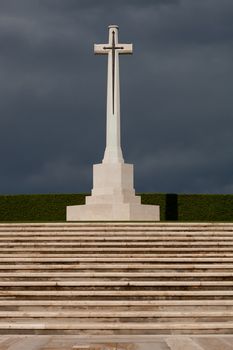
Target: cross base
113 212
113 197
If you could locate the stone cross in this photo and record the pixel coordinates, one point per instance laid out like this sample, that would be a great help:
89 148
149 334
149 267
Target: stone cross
113 152
113 195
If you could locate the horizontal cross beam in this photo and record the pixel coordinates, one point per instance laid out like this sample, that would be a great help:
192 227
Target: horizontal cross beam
104 49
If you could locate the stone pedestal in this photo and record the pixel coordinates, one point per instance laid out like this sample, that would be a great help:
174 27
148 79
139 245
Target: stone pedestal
113 197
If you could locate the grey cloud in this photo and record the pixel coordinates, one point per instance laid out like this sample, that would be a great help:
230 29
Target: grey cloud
177 114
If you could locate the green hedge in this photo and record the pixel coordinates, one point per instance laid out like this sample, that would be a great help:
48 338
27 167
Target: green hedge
173 207
37 207
192 207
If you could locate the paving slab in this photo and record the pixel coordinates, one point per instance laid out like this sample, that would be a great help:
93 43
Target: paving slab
7 341
228 340
137 342
214 343
182 343
29 343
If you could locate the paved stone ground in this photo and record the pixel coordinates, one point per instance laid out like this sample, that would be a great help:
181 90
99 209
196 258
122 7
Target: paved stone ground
173 342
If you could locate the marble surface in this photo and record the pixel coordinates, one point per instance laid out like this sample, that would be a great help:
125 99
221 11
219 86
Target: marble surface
173 342
113 197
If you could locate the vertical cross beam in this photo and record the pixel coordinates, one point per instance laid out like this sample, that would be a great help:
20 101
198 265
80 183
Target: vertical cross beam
113 152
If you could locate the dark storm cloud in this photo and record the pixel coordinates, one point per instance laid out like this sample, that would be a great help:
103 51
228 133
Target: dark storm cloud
177 113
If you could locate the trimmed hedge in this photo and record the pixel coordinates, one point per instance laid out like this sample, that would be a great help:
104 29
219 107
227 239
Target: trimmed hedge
192 207
173 207
37 207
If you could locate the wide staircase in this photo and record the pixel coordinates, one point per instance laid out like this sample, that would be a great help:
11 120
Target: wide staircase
116 278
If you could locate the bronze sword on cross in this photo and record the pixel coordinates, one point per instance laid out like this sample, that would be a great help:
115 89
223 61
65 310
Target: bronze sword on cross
112 48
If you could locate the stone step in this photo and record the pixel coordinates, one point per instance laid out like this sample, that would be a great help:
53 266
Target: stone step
114 314
75 278
117 233
109 225
85 250
119 256
131 260
117 244
220 280
116 325
114 223
116 239
113 274
118 283
119 303
117 293
110 266
142 238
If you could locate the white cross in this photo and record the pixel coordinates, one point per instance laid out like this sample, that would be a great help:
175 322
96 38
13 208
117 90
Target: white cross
113 151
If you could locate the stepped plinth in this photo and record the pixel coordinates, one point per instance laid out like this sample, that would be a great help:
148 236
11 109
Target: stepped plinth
113 197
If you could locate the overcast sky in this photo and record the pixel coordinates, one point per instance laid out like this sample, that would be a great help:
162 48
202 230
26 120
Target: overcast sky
176 94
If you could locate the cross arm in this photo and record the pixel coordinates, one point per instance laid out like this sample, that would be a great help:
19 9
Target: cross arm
103 49
99 49
125 49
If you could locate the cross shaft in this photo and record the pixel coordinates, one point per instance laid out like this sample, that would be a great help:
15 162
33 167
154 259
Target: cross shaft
113 49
